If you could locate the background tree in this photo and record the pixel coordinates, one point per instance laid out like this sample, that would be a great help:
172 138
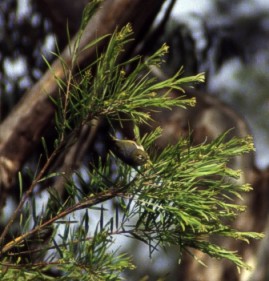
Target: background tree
27 133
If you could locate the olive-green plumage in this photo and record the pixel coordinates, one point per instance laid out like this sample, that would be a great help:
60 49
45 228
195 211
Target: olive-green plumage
129 152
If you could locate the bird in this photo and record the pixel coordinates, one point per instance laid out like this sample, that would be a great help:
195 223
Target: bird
129 152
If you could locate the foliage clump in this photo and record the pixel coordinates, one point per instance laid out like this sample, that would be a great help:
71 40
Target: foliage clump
185 196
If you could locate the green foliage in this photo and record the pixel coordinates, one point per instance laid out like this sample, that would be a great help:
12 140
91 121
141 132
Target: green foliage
111 91
187 205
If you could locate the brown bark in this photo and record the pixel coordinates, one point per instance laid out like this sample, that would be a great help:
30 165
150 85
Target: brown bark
24 126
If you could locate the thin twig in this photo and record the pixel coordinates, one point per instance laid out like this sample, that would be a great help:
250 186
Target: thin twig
80 205
27 195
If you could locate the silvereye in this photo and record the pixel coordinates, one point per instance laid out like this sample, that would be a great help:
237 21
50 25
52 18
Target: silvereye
129 152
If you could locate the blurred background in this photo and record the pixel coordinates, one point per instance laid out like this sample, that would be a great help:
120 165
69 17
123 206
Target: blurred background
228 40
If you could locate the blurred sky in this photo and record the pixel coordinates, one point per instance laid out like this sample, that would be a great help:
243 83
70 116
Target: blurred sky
181 12
184 7
184 11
